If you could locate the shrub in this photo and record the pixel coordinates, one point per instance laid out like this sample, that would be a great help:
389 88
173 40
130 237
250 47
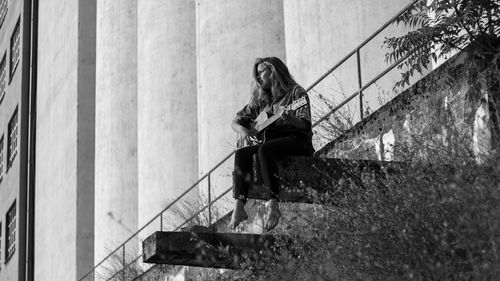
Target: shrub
437 220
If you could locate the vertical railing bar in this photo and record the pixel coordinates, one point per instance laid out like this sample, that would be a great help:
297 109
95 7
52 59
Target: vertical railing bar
124 263
161 221
360 84
209 200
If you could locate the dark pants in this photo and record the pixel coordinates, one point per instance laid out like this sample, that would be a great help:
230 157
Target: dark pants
267 154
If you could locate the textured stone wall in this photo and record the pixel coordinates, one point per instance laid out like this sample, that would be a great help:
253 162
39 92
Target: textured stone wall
445 110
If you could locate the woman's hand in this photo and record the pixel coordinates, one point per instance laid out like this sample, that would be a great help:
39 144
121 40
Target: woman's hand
287 116
249 135
290 118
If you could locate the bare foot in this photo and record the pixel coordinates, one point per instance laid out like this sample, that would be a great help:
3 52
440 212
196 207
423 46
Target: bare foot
273 215
239 214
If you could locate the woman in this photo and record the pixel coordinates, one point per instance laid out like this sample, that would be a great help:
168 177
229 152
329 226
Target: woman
290 134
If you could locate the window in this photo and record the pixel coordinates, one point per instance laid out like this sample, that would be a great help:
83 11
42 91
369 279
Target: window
3 11
12 140
1 159
10 232
15 48
3 74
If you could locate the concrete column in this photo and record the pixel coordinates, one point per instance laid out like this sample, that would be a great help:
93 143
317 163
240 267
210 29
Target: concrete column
116 125
167 114
320 33
230 36
64 207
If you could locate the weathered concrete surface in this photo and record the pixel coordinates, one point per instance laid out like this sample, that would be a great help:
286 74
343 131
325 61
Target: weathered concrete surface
64 204
206 249
116 125
445 113
230 36
167 101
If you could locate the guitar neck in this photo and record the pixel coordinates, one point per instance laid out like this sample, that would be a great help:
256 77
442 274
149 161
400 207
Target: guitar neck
262 124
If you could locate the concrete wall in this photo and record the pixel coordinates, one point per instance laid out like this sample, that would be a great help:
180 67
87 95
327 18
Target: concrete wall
167 116
230 36
440 118
320 33
116 125
65 140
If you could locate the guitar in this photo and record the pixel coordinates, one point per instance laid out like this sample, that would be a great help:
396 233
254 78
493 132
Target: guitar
263 120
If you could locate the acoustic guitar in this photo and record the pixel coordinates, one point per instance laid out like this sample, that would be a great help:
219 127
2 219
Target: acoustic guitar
263 120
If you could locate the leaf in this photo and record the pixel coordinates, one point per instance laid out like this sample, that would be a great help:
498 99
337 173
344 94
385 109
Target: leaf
440 28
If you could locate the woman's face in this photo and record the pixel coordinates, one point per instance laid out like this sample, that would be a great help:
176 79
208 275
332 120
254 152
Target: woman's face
264 76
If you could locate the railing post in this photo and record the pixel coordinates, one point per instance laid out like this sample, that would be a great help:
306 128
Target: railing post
360 84
161 221
209 200
124 262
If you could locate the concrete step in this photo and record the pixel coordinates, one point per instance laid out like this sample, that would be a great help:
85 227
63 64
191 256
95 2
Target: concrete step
300 175
206 249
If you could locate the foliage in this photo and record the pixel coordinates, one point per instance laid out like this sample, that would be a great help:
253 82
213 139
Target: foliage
442 27
434 222
118 267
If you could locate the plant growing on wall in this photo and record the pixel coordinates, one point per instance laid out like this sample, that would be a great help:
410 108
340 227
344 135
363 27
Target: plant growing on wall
442 27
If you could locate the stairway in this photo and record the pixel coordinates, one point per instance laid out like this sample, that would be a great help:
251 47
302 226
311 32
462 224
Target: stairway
303 179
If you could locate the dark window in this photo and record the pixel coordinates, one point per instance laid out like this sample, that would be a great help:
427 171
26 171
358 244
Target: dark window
12 140
1 159
3 75
15 48
10 232
3 11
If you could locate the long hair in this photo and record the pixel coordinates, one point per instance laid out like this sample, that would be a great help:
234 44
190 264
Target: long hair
281 82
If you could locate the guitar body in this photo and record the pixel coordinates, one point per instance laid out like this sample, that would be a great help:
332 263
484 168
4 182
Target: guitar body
260 124
261 119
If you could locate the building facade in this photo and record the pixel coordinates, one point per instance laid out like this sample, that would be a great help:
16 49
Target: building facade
14 107
111 109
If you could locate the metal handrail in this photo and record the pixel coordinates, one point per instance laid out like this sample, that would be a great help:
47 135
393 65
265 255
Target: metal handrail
177 228
207 175
160 213
324 117
389 22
